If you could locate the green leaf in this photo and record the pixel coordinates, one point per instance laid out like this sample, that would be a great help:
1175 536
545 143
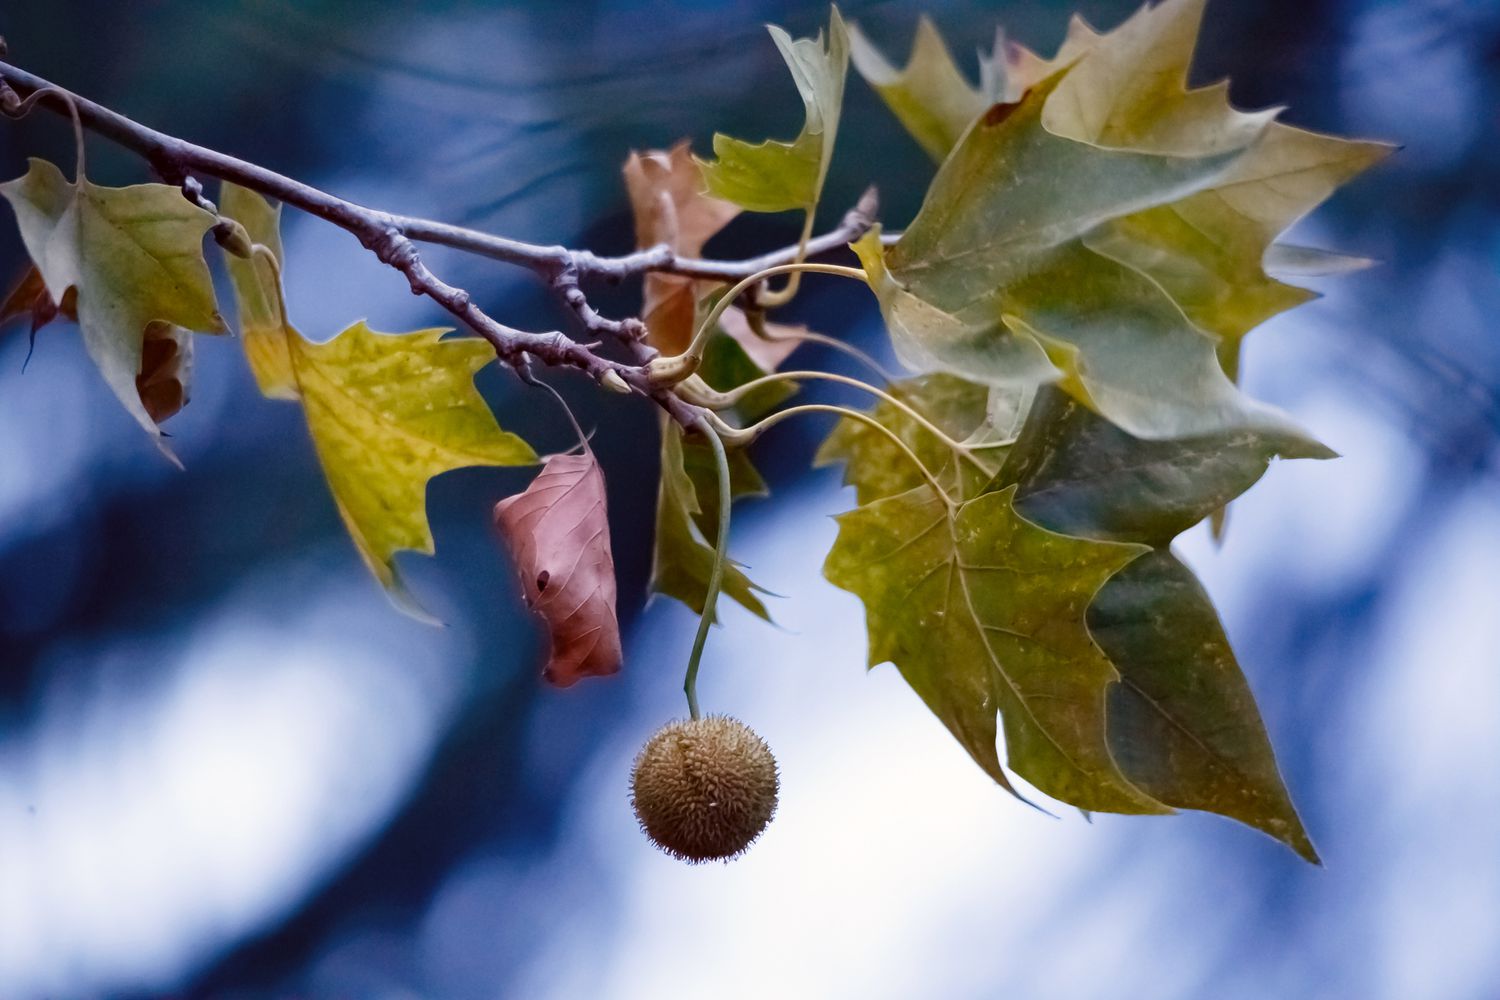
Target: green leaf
981 610
996 280
1182 722
264 331
1208 250
388 412
1081 475
876 468
133 256
930 96
775 176
687 524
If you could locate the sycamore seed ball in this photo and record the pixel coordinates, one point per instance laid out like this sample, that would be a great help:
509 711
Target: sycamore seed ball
704 789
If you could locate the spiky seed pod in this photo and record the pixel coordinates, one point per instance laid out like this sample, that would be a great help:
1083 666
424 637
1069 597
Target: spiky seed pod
704 789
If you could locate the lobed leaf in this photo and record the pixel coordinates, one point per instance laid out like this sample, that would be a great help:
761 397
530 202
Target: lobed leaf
776 176
1181 722
930 96
131 256
983 611
1209 250
1043 252
386 412
1081 475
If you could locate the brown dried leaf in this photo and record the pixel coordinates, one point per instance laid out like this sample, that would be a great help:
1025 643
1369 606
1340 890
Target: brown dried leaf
30 297
667 195
769 351
166 370
558 534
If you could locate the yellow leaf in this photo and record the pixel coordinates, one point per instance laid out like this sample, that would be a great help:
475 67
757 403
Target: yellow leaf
388 412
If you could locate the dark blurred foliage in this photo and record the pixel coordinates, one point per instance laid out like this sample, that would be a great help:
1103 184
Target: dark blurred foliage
515 117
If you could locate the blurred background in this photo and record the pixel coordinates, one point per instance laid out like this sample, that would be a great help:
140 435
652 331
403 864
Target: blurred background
229 769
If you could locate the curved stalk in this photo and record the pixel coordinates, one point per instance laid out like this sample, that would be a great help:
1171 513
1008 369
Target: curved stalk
745 435
669 371
738 393
758 327
783 295
716 574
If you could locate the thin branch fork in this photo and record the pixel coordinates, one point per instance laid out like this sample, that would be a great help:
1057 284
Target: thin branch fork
392 238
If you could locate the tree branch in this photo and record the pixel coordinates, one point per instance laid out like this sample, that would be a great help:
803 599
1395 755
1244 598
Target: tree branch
392 239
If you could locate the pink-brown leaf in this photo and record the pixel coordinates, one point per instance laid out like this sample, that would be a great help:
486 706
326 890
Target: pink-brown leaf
558 535
667 196
767 352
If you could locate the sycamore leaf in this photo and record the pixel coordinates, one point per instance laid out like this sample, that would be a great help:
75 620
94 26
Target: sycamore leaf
685 532
165 380
776 176
1182 722
1021 69
983 611
388 412
1128 90
1083 476
996 280
30 298
132 255
1126 350
1209 250
264 330
876 468
558 535
930 96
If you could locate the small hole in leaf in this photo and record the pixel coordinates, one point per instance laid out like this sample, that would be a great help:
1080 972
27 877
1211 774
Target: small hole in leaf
542 580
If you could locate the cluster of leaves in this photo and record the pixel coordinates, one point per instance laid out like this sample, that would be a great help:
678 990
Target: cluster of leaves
1098 239
1071 299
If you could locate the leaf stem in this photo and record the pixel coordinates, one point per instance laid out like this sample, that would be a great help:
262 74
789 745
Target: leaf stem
758 327
716 574
748 434
780 297
694 352
738 393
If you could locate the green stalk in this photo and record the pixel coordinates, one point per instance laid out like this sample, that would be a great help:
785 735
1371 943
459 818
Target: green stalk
715 576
